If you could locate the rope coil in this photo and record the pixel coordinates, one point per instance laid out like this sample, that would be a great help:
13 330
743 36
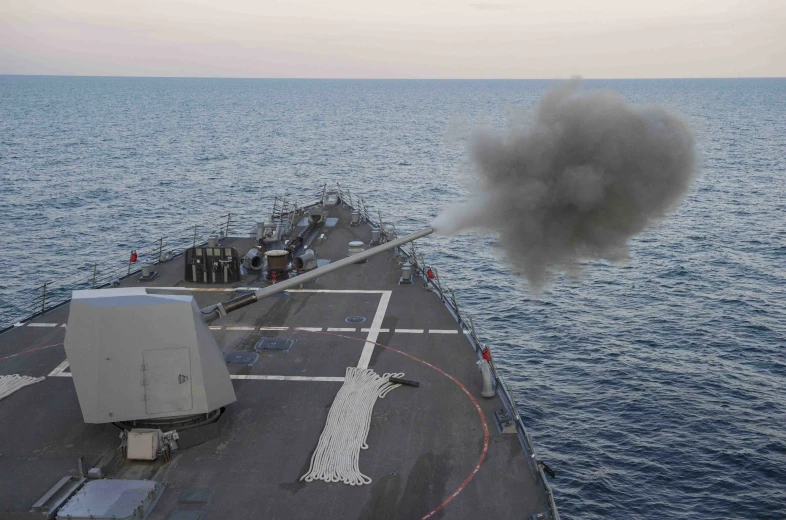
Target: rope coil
337 455
11 383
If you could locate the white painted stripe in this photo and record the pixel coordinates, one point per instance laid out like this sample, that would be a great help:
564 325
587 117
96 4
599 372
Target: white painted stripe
59 369
18 324
410 331
376 324
338 291
288 378
310 329
63 325
252 377
441 331
201 289
248 289
273 328
374 330
215 327
340 329
467 332
42 324
241 328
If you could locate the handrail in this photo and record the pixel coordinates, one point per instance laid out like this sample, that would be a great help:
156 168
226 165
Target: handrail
465 320
101 273
96 274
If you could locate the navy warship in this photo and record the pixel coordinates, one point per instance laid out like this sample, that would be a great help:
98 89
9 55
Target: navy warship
312 366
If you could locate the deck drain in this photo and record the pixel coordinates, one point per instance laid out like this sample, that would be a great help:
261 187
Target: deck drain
241 358
274 344
355 319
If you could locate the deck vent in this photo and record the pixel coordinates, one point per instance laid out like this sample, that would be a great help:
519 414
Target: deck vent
274 344
406 273
241 358
254 259
355 319
147 273
375 234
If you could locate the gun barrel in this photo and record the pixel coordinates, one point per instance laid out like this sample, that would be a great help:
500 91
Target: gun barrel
214 312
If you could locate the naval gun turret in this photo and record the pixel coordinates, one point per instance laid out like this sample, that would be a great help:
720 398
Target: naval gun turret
136 355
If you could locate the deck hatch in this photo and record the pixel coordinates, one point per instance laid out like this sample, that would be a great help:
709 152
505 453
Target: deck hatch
241 358
274 344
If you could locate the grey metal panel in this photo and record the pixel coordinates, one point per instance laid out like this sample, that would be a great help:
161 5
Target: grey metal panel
109 331
167 376
112 499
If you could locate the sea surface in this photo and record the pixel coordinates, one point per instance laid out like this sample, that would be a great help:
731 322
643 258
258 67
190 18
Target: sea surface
656 389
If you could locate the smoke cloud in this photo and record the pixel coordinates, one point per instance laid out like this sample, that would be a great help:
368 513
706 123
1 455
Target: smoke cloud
586 173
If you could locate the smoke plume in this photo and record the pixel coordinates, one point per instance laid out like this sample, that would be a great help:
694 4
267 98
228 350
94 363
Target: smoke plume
587 172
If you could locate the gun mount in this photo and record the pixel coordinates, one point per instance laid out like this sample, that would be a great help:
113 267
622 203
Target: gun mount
136 354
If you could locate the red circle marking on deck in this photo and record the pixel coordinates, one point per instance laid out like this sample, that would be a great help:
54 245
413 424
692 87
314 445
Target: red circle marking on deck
485 449
31 350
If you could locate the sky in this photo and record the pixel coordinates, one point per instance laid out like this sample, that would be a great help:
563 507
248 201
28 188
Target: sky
395 38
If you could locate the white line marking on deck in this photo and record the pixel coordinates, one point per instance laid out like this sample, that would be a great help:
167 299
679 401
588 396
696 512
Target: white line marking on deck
376 324
42 324
241 328
441 331
273 328
374 330
338 291
310 329
58 371
18 324
63 325
341 329
289 378
215 327
410 331
249 289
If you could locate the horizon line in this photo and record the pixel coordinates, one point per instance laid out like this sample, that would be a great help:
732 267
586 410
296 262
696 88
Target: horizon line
359 78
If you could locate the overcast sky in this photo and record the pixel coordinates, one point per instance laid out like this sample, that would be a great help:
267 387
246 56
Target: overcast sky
395 38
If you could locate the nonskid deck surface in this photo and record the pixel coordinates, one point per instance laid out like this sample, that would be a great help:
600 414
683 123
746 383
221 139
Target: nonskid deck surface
427 445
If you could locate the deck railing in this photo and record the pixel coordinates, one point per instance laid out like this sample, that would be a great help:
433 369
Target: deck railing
95 274
464 319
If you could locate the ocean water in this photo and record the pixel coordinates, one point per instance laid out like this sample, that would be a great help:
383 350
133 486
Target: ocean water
655 389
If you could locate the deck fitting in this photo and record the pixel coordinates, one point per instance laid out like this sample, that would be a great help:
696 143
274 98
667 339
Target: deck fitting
505 422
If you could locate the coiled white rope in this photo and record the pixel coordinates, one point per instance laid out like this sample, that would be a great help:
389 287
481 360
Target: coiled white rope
12 383
337 456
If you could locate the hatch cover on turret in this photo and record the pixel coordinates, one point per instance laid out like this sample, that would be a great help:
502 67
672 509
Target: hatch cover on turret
274 344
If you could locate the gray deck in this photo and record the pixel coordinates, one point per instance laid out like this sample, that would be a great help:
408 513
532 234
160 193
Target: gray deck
424 442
